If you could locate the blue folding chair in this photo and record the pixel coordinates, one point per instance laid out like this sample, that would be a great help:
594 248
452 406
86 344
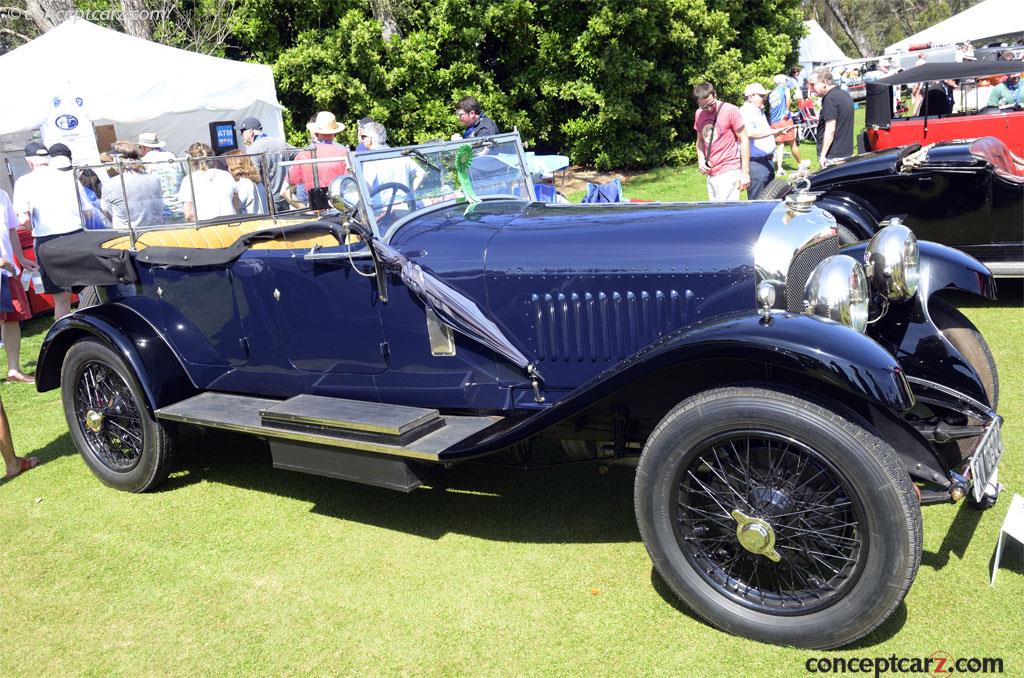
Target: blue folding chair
610 192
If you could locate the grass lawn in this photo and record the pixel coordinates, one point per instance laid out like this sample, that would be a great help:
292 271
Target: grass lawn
234 568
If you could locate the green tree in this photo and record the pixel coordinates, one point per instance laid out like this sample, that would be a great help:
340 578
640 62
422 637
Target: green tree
607 81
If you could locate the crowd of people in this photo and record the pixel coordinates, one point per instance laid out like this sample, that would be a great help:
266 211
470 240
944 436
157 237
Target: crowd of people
741 148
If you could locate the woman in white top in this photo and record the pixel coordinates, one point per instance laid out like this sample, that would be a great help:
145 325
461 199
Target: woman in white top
252 196
215 191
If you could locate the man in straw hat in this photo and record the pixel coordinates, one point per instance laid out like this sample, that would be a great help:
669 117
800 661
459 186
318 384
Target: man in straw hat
320 174
163 165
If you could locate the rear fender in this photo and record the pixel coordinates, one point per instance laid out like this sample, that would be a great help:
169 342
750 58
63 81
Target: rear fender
124 330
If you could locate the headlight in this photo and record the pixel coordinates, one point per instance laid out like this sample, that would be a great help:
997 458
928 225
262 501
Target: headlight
838 290
343 193
892 262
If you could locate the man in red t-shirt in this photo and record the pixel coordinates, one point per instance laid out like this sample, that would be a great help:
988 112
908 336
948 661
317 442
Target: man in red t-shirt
318 175
723 152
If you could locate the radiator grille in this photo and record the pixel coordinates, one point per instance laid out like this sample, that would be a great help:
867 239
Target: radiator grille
801 268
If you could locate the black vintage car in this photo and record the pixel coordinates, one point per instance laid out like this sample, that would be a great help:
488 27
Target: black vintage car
966 194
788 402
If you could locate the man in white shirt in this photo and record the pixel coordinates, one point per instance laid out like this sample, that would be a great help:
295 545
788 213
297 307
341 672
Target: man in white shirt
761 136
14 306
50 200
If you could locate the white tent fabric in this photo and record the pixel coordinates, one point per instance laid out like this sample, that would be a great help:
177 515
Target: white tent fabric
137 85
985 21
817 47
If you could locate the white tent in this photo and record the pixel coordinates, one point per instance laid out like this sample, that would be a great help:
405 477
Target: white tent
817 47
986 21
136 85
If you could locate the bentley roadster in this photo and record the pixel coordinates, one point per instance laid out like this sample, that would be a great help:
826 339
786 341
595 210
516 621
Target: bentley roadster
789 403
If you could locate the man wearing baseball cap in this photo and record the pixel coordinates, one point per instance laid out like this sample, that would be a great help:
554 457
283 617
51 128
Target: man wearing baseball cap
48 200
761 136
276 150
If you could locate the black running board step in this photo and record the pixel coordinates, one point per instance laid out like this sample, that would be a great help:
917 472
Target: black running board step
244 414
352 419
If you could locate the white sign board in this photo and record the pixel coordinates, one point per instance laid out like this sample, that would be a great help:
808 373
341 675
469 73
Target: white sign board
69 124
1013 525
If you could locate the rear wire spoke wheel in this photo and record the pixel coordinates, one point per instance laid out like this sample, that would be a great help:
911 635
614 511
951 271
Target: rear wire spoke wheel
105 408
777 518
109 417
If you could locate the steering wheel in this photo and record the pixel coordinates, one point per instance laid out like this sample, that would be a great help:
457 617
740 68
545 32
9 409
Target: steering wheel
394 187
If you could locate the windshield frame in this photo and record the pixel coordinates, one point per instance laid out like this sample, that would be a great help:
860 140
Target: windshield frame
358 160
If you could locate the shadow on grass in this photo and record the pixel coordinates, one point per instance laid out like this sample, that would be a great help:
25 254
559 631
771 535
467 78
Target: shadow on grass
61 446
957 538
565 504
889 628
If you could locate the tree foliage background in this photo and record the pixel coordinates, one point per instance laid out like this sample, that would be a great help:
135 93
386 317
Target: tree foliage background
607 82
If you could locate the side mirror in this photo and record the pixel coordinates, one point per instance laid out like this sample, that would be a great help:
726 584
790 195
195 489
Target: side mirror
343 193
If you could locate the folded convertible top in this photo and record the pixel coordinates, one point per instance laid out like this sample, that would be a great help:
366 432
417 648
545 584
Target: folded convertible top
104 258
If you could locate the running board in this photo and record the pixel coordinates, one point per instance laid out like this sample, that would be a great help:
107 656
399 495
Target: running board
365 442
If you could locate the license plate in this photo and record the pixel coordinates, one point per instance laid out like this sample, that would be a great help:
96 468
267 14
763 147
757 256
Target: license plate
985 460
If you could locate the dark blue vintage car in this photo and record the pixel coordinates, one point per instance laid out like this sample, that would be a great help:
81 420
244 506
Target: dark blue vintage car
788 402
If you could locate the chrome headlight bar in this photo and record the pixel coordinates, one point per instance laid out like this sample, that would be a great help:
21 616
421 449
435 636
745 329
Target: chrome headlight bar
838 287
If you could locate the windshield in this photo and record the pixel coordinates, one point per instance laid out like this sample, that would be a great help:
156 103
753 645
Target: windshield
397 182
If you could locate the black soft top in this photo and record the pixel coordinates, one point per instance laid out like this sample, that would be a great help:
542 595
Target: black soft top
80 259
952 71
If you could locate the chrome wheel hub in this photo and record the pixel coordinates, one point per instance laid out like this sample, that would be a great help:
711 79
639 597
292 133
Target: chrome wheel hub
756 535
94 420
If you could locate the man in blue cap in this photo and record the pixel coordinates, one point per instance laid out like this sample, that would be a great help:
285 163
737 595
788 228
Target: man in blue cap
258 142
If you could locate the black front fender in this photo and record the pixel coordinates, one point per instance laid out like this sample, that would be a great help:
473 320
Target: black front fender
944 268
157 368
821 351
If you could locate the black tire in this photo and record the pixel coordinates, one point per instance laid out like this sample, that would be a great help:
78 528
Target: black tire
126 448
89 296
966 338
776 189
844 565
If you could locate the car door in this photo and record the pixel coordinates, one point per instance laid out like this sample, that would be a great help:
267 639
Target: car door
327 310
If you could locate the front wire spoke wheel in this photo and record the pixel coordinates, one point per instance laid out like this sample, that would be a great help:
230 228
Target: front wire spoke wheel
780 492
778 516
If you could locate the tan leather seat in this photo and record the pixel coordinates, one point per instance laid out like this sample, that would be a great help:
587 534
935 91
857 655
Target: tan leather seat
218 236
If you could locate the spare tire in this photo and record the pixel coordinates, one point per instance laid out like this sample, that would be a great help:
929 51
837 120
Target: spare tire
776 189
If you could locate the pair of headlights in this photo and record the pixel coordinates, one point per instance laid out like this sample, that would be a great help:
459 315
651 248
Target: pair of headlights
838 288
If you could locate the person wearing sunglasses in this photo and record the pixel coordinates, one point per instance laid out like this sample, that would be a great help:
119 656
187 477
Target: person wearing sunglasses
723 150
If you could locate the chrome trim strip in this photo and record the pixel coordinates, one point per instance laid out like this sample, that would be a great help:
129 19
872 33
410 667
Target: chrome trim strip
979 409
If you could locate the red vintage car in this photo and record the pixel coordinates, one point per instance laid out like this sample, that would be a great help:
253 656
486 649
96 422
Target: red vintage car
937 122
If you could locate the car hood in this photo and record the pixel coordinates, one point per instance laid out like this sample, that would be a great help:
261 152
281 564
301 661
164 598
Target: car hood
593 283
513 238
861 166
